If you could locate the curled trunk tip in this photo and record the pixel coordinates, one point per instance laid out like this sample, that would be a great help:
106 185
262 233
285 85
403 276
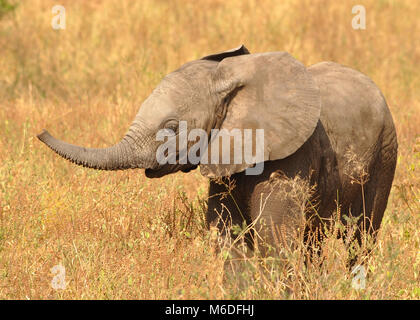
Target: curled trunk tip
44 135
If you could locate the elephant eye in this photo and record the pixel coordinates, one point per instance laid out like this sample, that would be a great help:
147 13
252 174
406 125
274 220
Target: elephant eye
171 125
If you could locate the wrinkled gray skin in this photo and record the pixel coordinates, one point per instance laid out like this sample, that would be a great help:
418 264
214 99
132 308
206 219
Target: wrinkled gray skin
324 123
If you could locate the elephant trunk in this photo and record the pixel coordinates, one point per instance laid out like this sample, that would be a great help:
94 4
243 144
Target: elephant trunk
118 157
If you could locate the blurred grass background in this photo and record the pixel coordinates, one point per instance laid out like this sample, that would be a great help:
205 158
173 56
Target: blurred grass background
120 235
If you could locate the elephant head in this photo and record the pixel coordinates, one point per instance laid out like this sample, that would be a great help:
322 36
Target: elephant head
229 90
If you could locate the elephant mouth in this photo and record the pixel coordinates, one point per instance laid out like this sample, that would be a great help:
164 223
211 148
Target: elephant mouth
165 170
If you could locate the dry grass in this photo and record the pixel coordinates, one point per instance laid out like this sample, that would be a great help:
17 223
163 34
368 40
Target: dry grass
120 235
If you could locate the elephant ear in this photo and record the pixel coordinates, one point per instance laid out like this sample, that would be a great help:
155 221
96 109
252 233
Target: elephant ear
226 54
269 91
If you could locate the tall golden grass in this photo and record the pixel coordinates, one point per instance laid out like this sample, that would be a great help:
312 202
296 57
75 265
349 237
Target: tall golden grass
122 236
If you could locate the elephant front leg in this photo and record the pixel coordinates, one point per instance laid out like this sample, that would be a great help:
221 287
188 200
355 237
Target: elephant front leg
279 209
227 208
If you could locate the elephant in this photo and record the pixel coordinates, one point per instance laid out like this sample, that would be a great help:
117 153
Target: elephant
326 127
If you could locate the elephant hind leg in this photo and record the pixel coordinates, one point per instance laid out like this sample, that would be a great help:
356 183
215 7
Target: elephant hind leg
376 193
384 178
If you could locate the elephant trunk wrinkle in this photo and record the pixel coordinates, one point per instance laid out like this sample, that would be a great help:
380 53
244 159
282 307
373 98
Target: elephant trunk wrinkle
118 157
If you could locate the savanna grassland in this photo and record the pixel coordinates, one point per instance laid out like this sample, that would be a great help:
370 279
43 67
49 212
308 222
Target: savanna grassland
122 236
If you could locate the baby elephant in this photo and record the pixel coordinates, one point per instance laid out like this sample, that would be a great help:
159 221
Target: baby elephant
306 142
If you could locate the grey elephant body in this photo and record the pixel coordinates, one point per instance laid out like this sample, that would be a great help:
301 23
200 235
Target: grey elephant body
327 125
365 153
